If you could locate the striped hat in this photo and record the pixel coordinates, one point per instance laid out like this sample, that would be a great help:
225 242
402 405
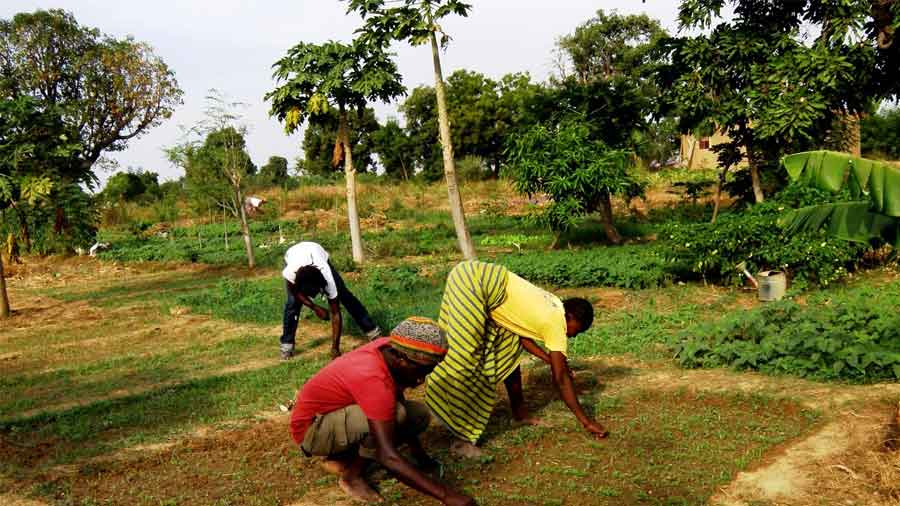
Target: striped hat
419 339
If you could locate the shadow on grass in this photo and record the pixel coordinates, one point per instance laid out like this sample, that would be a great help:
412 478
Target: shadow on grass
105 426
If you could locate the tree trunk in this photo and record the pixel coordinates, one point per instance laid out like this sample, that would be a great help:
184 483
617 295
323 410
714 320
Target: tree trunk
606 216
855 147
718 201
350 176
754 177
245 229
4 297
23 228
456 207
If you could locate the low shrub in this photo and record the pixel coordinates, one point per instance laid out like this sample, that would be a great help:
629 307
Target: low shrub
852 335
712 250
633 266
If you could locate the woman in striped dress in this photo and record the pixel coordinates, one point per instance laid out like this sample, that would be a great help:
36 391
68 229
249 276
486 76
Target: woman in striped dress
490 315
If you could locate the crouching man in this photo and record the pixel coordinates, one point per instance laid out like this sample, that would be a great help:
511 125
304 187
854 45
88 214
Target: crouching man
353 411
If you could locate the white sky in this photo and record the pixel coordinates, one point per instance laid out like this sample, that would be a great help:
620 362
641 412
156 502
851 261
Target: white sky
231 44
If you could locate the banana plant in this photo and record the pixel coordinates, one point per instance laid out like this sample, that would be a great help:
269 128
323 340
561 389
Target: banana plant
874 186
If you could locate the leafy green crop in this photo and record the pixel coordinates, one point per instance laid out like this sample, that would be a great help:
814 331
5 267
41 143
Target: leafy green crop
852 335
633 266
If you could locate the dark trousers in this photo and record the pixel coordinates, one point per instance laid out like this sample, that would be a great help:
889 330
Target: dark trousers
347 299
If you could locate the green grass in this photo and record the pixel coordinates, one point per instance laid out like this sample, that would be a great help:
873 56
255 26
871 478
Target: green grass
97 379
107 425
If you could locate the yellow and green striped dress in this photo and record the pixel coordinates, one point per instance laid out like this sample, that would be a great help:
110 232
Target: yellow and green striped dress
461 391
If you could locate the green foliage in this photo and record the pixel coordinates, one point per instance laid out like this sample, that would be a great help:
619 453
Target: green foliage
274 172
320 136
239 300
131 187
315 77
484 114
414 21
852 335
578 174
395 150
217 170
621 266
108 90
611 45
877 218
712 250
880 133
755 77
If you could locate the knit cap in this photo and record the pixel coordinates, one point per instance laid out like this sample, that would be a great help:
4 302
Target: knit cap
420 339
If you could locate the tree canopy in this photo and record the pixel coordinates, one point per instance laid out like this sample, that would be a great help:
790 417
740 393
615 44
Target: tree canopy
775 76
107 90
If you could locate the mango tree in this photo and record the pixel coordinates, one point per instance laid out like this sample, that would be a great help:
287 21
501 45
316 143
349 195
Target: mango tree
579 174
775 76
416 21
316 77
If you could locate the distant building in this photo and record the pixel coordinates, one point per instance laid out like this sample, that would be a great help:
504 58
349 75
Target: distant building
697 153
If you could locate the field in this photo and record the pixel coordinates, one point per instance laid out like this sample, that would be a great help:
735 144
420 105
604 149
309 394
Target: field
150 376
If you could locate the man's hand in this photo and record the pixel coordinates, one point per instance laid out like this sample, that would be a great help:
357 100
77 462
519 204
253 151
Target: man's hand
335 352
457 499
321 312
596 430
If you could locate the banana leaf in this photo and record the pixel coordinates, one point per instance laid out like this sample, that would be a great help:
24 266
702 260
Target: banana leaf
850 221
832 171
858 221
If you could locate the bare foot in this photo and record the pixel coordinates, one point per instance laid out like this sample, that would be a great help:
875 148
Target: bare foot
333 466
359 490
465 449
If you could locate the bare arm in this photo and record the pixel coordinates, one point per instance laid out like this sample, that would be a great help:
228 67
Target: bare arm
532 347
336 323
306 301
562 380
389 457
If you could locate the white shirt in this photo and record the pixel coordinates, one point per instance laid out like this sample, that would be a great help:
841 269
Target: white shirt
309 253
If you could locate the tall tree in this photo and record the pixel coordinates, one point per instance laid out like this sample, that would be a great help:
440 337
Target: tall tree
275 171
775 76
416 21
109 90
611 45
315 77
34 144
578 173
216 164
395 150
321 144
616 56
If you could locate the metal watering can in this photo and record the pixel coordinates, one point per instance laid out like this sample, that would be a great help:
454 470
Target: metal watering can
770 285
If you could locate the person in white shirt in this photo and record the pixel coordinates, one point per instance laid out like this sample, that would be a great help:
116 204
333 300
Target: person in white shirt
307 273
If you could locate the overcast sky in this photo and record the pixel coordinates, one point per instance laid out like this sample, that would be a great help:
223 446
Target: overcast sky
231 44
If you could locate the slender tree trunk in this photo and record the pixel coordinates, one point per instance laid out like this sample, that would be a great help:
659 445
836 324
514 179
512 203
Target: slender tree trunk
225 228
350 176
855 147
606 216
754 176
23 228
718 201
456 207
4 297
245 229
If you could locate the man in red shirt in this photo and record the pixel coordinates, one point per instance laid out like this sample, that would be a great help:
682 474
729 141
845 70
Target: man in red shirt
353 410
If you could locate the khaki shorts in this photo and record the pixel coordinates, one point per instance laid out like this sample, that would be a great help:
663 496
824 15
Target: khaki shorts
343 430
